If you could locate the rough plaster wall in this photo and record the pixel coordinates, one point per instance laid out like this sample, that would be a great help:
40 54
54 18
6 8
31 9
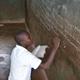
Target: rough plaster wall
12 9
6 45
47 18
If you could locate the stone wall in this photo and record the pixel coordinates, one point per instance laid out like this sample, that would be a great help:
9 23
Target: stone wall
48 18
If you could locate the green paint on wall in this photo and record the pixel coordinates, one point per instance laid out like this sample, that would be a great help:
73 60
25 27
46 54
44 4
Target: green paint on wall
12 9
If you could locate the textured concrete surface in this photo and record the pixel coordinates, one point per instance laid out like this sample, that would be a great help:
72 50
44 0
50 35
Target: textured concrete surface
7 43
12 9
47 18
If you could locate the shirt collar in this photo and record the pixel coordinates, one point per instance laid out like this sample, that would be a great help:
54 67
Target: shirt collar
18 46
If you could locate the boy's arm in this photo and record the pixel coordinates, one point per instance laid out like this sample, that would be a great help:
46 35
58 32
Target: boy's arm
50 54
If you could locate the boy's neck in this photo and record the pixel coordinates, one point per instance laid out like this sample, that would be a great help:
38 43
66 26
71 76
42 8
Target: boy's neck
30 48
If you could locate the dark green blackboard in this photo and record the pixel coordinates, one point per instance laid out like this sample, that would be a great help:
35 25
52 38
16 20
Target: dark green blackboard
12 9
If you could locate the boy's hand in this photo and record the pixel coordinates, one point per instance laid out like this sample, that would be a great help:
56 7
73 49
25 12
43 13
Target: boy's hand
56 42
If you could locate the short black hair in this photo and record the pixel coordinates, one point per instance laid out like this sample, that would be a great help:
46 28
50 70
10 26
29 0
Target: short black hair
20 33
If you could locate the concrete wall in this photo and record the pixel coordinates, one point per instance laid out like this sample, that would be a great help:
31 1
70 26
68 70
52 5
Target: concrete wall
47 18
7 43
12 9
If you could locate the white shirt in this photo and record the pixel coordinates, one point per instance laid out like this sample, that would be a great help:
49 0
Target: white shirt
22 61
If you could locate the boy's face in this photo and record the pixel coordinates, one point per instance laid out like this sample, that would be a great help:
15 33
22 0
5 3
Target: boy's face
26 40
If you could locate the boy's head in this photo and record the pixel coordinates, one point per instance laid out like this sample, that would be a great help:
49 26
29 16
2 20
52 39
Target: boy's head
23 38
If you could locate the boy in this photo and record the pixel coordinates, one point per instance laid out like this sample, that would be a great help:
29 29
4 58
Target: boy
22 60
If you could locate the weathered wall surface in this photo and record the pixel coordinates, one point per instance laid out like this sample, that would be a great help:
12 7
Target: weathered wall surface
47 18
7 43
12 9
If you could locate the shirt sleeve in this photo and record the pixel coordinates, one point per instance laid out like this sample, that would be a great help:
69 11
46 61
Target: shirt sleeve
35 62
29 59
